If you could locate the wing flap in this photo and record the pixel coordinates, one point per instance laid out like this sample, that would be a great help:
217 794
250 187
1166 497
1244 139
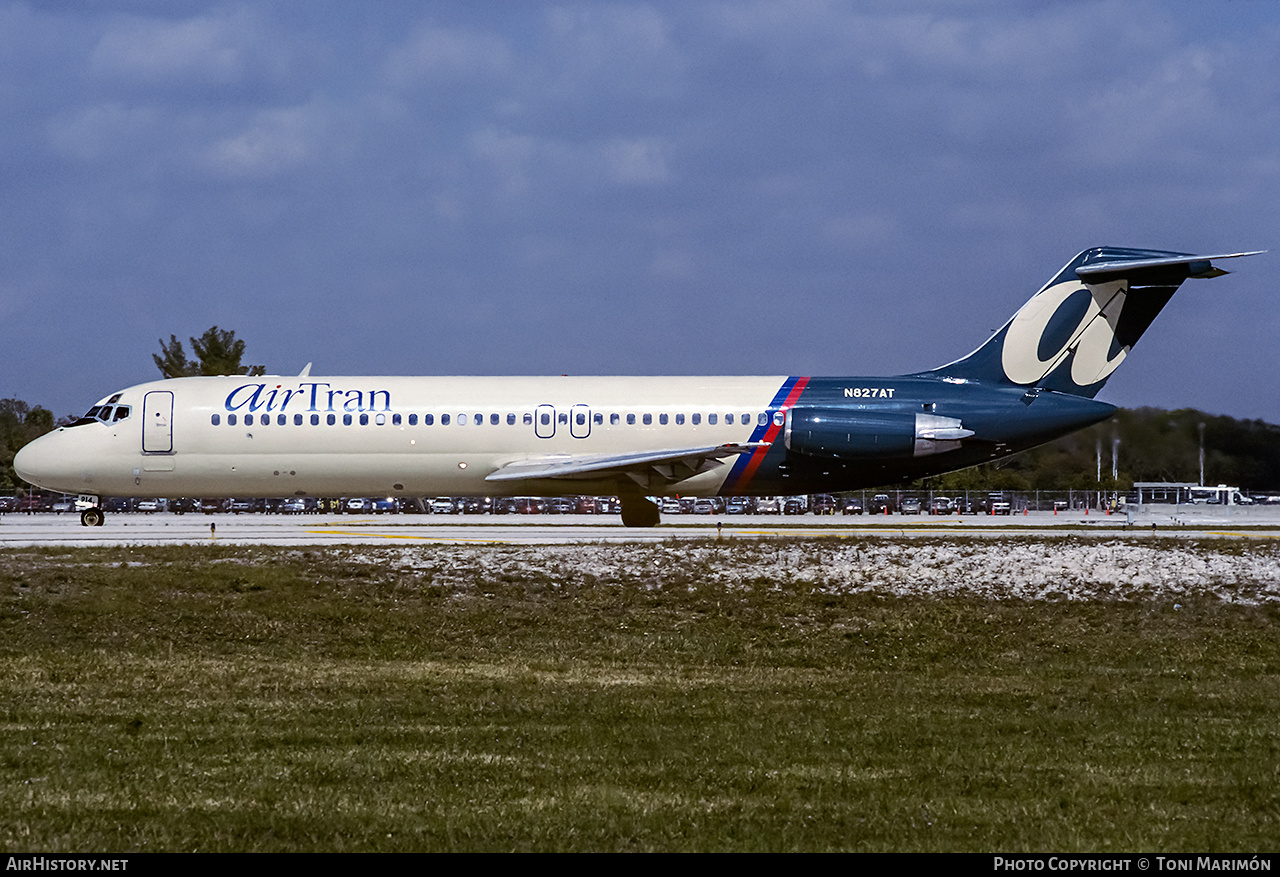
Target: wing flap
649 469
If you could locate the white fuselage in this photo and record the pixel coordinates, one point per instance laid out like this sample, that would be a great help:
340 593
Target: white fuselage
386 436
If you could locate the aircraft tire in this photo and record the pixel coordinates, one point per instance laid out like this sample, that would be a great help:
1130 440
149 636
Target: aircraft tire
639 512
92 517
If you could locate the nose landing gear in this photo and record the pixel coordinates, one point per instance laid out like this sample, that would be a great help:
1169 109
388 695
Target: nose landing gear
92 517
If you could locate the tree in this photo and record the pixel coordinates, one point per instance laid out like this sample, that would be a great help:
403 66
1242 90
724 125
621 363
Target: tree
173 362
19 424
218 352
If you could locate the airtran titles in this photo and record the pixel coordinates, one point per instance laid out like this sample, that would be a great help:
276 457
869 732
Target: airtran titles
308 396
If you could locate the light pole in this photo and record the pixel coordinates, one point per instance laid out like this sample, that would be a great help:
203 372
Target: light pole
1202 455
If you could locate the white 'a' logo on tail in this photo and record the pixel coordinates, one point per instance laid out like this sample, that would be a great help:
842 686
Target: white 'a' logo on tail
1086 320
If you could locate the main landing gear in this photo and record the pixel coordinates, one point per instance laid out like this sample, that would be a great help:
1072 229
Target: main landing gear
639 512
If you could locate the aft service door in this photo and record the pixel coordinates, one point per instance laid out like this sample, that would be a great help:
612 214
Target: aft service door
157 422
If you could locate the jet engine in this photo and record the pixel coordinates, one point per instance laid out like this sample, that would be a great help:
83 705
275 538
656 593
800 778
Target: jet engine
860 434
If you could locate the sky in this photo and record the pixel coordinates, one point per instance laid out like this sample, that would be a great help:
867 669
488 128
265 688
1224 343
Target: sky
790 187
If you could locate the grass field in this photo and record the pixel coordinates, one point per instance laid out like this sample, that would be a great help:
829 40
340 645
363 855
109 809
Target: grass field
221 698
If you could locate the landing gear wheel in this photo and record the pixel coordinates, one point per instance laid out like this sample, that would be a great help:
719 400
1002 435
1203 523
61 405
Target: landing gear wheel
92 517
639 512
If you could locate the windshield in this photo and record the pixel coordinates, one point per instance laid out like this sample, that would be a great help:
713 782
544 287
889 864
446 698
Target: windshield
106 411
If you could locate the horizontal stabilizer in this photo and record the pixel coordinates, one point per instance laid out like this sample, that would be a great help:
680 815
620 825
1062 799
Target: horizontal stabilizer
1198 267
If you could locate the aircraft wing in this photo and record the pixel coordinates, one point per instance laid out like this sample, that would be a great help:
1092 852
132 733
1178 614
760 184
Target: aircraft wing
649 469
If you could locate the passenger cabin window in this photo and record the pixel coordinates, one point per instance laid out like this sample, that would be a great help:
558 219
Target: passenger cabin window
216 419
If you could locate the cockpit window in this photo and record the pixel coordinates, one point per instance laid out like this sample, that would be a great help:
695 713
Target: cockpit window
106 412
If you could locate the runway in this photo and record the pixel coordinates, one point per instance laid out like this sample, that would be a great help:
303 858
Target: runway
21 531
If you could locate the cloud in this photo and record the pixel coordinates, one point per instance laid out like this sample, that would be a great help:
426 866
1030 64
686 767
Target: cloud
272 142
436 54
216 49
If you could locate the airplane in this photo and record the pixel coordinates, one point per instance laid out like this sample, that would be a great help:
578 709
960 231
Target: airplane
1033 381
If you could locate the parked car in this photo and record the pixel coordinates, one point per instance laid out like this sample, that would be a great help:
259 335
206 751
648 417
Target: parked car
704 506
147 506
793 505
442 505
33 502
881 505
768 505
823 504
940 505
356 505
852 505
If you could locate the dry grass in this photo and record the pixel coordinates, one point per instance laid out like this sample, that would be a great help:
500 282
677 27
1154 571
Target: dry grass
251 699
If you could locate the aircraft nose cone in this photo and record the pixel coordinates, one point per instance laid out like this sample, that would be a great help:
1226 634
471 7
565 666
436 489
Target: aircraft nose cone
38 463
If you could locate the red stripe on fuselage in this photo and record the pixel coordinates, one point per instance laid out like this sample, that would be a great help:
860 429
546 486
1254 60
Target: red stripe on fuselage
758 455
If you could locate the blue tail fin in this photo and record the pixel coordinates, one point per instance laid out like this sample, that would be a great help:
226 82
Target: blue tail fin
1075 331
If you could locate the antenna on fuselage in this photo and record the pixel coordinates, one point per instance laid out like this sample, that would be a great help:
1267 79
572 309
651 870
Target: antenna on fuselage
306 371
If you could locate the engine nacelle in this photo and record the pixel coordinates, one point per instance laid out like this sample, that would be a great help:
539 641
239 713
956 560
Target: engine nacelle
848 434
